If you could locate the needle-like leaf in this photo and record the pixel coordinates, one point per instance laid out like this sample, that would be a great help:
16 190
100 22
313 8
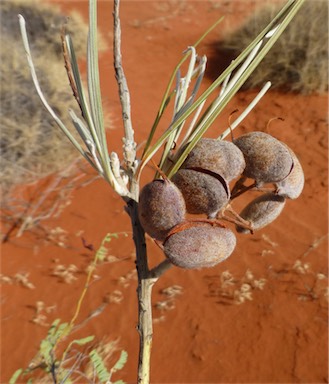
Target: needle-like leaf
247 61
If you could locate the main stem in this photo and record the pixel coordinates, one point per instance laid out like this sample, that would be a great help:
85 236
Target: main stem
146 279
145 329
144 292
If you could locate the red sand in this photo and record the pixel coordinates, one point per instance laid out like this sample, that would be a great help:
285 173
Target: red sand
280 336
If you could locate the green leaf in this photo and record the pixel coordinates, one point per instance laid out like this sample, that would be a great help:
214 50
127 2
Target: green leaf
110 236
63 328
101 371
56 330
93 74
46 348
15 376
81 93
119 382
102 251
83 341
121 362
53 327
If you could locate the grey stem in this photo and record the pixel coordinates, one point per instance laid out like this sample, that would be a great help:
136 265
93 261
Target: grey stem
145 279
129 147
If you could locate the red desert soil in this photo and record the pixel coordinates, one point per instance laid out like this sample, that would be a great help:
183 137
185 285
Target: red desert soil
202 335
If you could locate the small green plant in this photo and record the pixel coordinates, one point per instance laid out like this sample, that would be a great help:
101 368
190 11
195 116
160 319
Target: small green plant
190 121
58 367
58 371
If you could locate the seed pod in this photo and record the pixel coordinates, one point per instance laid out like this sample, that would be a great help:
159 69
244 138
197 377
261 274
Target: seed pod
219 156
161 207
203 192
262 211
200 246
267 159
291 187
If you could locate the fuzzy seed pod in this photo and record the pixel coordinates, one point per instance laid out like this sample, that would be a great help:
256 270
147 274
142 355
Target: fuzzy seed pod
219 156
267 159
161 207
262 211
203 193
200 246
291 187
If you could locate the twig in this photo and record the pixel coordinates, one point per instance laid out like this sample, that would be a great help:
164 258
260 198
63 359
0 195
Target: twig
315 244
157 271
129 147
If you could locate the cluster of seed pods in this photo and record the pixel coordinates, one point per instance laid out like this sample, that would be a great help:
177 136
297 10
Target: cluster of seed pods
201 186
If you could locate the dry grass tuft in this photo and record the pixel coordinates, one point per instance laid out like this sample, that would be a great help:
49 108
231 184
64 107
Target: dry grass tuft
298 61
33 150
169 303
40 316
21 278
44 24
31 144
66 274
232 290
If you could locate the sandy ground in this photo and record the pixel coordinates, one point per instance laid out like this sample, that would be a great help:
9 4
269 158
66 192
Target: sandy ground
204 332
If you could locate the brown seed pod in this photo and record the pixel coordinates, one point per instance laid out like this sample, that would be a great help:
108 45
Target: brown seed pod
267 159
262 211
203 193
200 246
219 156
161 207
291 187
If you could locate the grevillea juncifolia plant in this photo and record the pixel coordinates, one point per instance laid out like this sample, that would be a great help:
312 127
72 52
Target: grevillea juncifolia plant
194 172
